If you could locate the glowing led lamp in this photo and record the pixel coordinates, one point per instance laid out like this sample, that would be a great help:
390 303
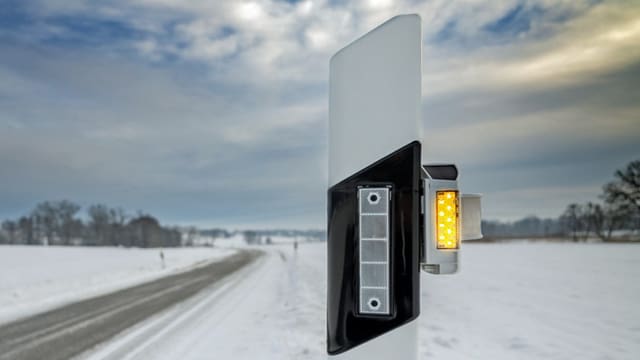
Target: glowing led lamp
447 217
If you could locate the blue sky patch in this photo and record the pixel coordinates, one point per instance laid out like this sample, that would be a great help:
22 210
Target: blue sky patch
88 31
515 21
13 14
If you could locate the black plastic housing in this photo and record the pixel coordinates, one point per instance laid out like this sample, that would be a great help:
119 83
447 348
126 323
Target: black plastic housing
345 327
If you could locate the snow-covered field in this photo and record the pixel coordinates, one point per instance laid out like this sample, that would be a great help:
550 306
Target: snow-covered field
510 301
37 278
536 301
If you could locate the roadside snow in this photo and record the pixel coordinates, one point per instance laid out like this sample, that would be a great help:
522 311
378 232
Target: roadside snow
38 278
535 301
510 301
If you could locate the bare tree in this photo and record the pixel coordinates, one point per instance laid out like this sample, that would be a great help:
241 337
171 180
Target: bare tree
65 212
117 222
616 216
595 218
99 223
144 230
626 188
592 219
46 221
57 220
27 230
11 228
574 220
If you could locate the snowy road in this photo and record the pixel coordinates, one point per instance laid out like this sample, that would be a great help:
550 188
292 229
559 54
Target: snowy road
266 311
35 279
76 327
510 301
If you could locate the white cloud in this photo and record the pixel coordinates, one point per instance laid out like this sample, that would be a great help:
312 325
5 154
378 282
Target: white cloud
217 100
249 11
600 41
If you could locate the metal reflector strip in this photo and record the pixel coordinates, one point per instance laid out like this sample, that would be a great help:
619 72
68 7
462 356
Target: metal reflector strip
373 212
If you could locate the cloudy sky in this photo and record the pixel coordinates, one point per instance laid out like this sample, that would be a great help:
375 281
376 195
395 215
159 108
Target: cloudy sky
214 113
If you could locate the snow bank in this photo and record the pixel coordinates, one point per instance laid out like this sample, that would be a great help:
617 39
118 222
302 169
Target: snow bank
37 278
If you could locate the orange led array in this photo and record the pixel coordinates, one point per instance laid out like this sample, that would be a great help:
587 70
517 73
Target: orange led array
447 219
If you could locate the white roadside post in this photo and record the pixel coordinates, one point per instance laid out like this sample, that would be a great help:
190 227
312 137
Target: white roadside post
388 215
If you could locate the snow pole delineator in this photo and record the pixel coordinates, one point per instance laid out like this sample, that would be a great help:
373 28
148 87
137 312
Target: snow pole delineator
374 193
388 215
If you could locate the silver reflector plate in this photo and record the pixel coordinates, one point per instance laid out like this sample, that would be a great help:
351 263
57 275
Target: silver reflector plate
373 215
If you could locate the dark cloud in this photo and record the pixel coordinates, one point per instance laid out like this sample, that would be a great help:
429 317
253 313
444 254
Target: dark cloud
215 113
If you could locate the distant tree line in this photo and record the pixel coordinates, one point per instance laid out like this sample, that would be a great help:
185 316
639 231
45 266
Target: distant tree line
255 237
306 234
531 226
251 237
618 212
216 233
58 223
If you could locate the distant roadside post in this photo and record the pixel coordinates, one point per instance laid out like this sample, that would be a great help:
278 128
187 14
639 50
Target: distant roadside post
388 215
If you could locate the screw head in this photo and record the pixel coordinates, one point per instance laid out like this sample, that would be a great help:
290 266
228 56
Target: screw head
373 198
